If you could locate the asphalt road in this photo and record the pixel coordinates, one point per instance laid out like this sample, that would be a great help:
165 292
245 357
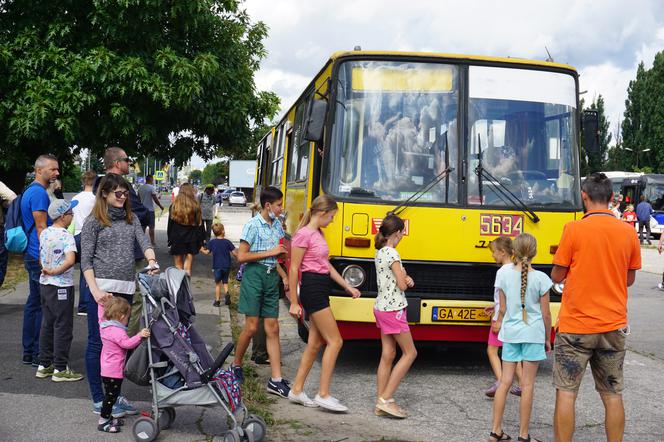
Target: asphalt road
443 391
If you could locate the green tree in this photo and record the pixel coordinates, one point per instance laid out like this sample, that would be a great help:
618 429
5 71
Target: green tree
157 77
214 173
597 162
633 121
195 176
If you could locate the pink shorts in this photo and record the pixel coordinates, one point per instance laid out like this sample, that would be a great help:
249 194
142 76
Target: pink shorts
493 337
392 323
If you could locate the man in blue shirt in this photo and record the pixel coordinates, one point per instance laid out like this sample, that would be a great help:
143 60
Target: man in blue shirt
34 211
643 212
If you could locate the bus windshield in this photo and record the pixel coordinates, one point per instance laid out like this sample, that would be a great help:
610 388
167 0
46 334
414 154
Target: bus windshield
395 131
521 129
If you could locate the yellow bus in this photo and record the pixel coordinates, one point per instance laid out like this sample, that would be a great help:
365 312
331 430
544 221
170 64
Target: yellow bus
464 148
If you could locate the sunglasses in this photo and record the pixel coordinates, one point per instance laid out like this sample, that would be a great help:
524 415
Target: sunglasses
121 194
124 159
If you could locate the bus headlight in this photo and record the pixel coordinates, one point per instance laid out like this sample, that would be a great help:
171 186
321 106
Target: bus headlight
354 275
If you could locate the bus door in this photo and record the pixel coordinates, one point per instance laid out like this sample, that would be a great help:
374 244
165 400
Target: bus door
632 188
296 196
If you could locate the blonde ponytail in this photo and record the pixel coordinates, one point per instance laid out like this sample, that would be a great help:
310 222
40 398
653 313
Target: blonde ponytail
305 219
525 249
524 286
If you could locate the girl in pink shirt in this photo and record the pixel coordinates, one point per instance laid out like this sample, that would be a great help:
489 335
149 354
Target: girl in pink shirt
310 256
115 343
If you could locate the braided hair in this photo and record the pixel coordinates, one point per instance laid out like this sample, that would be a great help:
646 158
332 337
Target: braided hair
525 249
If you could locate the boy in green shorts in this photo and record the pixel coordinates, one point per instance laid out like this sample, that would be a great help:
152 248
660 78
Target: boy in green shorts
259 290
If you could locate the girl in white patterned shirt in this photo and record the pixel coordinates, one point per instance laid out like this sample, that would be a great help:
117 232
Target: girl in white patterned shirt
390 314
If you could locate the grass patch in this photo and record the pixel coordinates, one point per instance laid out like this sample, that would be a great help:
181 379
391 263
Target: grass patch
253 390
15 272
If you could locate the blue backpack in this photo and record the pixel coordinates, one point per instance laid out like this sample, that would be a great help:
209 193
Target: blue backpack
16 238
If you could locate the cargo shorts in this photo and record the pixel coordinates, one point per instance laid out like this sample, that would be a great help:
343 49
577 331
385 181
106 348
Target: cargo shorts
259 291
604 351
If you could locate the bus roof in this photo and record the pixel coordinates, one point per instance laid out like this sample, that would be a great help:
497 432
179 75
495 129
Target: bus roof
510 60
619 174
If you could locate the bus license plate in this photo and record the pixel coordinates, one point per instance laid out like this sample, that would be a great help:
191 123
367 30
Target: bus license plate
459 314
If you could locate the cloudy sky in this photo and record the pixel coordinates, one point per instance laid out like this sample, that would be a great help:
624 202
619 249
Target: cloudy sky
605 40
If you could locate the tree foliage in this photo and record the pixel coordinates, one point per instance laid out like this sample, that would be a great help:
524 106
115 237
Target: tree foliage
643 123
215 173
195 177
158 77
598 161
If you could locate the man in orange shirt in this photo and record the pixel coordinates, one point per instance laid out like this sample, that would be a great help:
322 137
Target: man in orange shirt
597 258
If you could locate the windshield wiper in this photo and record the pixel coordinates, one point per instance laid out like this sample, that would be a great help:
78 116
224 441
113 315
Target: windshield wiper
421 191
501 188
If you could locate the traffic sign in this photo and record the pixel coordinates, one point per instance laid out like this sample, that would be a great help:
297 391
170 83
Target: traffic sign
159 175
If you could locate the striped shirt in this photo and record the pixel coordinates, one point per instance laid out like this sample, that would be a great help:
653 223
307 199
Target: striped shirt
262 236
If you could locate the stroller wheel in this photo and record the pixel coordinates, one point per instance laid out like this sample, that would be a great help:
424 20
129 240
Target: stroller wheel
255 426
166 418
230 436
145 429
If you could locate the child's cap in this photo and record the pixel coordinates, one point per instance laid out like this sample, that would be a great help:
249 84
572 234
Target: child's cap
59 207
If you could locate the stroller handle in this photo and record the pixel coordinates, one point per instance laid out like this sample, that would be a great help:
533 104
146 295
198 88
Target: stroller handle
207 376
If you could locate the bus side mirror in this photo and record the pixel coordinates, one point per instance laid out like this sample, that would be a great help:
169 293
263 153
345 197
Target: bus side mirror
313 130
590 131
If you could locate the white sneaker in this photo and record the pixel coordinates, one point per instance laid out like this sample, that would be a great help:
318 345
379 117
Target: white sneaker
301 399
330 403
660 286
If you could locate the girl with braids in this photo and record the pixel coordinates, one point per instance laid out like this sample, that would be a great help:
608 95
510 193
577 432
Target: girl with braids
391 317
501 250
524 320
310 257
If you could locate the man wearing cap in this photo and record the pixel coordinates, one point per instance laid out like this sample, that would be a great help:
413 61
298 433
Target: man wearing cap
57 255
207 201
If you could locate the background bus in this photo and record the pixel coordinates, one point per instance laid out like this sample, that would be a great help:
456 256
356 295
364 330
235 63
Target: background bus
652 187
376 130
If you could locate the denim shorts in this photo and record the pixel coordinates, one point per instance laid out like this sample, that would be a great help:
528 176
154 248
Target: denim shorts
523 351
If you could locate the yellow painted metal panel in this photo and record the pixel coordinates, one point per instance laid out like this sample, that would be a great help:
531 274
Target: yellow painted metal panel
294 207
385 79
452 234
360 224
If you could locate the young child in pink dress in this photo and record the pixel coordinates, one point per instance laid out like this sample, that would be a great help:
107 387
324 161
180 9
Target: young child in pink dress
115 343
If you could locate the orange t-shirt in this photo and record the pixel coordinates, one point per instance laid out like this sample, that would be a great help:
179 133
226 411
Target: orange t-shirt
598 250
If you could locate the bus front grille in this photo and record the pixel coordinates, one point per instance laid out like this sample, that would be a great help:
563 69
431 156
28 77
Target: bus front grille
458 281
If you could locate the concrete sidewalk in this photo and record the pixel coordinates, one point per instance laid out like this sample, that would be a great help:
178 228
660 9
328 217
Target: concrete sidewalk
41 410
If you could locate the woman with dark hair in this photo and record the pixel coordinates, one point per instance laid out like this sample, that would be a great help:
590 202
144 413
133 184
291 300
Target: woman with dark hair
107 262
185 228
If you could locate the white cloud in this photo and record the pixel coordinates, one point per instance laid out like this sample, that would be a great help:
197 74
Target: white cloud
604 40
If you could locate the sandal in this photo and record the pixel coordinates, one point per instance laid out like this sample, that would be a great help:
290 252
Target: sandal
118 422
389 407
109 427
527 439
498 437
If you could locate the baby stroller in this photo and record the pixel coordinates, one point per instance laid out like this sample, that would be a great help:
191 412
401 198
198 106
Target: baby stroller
179 367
